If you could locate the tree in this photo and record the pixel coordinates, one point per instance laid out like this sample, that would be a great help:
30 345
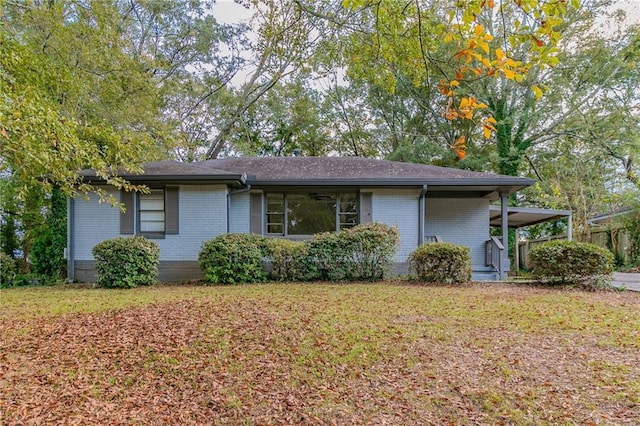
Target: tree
72 97
286 40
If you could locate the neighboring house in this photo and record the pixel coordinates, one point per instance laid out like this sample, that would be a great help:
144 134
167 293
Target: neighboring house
294 197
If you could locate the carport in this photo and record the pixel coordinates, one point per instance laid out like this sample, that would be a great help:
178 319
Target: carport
520 217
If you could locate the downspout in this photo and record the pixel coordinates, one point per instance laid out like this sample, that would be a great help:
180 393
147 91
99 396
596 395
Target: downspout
229 194
421 213
504 225
71 262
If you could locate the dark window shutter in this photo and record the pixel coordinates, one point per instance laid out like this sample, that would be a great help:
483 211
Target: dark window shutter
126 216
172 208
256 214
365 207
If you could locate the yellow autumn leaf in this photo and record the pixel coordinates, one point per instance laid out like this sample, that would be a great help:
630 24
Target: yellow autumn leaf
508 73
511 63
492 120
537 91
500 54
454 83
479 29
484 46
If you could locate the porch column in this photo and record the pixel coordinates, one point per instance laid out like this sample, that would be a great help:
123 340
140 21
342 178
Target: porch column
421 215
570 228
516 251
504 224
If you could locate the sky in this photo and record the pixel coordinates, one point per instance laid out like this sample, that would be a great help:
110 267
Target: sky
229 12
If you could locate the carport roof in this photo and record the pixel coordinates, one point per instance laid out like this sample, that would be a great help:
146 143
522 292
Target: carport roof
519 217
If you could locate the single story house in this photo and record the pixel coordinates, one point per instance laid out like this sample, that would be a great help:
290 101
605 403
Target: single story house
294 197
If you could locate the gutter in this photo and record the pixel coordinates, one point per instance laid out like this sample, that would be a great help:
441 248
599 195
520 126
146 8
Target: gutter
241 178
229 194
519 182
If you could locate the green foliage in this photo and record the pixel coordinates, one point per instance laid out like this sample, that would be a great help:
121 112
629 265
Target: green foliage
73 97
8 269
571 263
330 252
126 262
374 246
290 261
47 255
234 259
441 263
364 252
632 225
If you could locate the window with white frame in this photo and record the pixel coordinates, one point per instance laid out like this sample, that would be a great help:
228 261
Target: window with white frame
152 212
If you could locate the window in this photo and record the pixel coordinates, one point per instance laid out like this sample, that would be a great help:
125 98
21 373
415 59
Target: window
152 212
153 215
310 213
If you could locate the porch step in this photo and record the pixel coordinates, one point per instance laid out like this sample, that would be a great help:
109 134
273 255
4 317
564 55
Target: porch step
485 276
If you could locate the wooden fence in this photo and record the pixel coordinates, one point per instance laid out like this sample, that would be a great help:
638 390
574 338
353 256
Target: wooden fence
602 238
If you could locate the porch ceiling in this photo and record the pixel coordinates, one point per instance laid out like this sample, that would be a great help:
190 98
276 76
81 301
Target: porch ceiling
519 217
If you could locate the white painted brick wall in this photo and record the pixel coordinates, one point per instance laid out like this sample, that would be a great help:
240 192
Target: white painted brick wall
398 207
202 215
94 222
240 213
460 221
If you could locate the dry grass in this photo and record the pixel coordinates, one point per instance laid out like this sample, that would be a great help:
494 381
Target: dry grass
319 354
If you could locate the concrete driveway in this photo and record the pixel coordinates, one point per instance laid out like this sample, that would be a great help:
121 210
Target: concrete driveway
628 281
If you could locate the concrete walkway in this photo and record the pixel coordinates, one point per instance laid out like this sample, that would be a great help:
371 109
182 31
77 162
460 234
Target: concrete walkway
628 281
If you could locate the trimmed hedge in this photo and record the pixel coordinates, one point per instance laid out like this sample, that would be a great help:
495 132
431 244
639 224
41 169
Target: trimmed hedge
234 259
441 263
290 261
8 270
126 262
571 263
362 253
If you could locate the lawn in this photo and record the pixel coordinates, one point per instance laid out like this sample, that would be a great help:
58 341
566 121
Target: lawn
319 354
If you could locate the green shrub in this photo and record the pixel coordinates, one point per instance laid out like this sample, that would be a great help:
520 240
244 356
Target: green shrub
364 252
290 261
233 259
571 263
329 251
8 269
373 248
441 263
126 262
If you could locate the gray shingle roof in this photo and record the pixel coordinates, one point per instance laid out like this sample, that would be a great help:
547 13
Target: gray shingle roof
176 170
352 169
321 171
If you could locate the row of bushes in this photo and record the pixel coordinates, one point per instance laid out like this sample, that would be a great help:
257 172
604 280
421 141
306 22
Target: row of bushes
363 253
